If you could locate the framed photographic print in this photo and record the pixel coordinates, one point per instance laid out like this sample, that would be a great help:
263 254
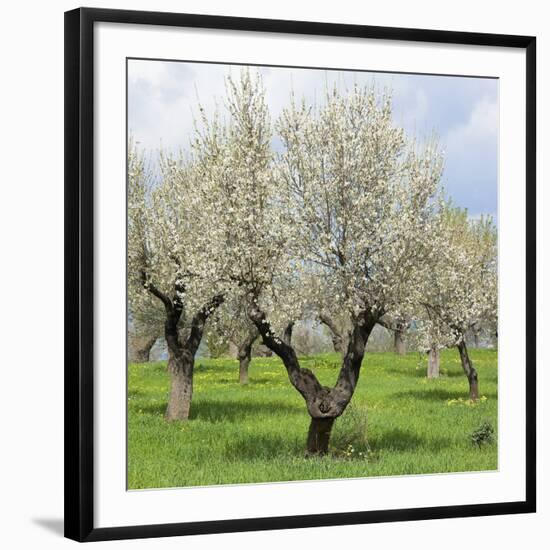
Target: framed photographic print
300 274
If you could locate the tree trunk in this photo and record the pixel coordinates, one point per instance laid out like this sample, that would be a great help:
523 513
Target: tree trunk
324 404
244 362
476 340
433 363
469 370
139 347
318 436
245 353
181 387
399 342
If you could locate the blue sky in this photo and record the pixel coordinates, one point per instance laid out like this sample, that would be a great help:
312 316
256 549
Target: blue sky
462 112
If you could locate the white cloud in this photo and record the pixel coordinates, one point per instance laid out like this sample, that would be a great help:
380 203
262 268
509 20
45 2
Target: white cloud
164 97
481 128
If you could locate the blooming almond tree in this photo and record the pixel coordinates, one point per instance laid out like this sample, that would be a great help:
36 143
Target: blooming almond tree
249 201
233 325
353 199
461 285
172 256
431 337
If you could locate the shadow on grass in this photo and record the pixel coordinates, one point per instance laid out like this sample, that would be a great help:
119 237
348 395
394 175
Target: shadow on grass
258 447
232 365
226 411
261 447
397 439
231 410
440 394
252 381
412 372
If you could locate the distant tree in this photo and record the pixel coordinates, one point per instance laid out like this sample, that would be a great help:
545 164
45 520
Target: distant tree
398 327
308 338
140 344
322 308
234 328
461 285
217 345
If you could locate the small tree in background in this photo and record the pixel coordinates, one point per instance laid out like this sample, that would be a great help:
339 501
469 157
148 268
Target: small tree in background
233 327
398 327
460 289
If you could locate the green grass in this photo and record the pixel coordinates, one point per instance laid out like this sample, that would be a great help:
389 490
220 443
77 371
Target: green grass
398 423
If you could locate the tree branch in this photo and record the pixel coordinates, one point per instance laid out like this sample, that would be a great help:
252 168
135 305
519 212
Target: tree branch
349 373
148 285
199 320
302 379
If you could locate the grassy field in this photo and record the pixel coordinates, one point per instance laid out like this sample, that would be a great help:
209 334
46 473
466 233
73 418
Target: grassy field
399 422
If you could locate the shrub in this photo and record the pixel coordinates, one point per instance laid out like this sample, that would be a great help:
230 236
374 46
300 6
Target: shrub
482 435
350 436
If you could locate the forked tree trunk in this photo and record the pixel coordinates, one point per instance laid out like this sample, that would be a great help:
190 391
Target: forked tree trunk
181 387
324 404
433 363
469 370
139 347
182 346
399 342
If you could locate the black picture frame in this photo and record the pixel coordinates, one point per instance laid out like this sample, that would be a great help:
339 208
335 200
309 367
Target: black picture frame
79 269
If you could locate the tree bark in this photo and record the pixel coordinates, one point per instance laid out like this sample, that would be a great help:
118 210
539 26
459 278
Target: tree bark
139 347
245 356
244 363
324 404
399 345
181 387
318 436
469 370
433 363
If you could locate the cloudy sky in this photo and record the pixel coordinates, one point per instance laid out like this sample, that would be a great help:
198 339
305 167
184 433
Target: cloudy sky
463 113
